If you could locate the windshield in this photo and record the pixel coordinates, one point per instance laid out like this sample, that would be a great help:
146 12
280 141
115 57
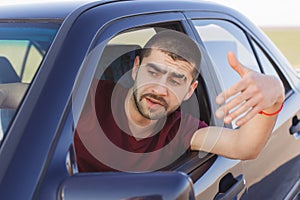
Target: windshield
23 45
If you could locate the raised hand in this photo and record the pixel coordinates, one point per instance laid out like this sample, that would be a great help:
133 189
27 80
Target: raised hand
254 92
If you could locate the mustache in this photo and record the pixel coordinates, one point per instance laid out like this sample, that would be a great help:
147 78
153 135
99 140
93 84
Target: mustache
156 98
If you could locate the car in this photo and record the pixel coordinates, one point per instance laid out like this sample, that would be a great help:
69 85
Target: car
56 48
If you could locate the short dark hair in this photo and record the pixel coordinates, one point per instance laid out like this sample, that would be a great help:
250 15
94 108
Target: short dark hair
177 45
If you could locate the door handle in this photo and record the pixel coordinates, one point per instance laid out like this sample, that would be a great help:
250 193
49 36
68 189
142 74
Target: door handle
230 187
295 128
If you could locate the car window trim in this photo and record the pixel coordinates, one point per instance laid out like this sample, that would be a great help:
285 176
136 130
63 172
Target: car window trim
113 28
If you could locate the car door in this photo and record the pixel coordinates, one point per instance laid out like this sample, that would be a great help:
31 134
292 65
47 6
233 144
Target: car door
284 143
196 163
110 40
279 160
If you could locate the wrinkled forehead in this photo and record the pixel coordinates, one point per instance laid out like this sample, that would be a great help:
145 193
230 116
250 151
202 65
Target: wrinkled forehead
178 58
169 61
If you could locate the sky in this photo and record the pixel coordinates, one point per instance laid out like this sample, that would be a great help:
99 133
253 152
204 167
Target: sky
280 13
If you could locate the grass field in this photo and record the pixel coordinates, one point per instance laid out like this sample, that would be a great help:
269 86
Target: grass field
288 41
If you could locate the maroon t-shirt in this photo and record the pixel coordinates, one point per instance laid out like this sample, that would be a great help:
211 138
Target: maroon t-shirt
103 140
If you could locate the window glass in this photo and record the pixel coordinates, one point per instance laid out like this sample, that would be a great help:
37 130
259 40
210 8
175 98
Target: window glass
270 68
22 49
11 48
131 84
220 37
34 59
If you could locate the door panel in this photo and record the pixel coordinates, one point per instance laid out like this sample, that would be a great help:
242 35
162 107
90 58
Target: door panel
282 149
279 161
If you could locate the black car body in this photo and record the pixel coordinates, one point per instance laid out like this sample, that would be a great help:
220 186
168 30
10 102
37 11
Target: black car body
37 154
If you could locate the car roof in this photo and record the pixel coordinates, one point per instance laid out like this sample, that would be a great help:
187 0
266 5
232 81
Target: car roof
59 10
40 10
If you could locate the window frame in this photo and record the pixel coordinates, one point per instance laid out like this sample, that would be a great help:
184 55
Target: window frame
194 166
288 89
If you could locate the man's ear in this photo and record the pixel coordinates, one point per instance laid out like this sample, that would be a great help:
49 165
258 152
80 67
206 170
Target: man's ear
192 88
135 68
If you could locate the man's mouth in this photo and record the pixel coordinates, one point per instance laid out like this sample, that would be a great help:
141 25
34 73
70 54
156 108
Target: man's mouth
154 101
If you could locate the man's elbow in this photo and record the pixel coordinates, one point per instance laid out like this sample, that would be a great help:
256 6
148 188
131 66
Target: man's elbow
242 154
249 156
246 151
250 153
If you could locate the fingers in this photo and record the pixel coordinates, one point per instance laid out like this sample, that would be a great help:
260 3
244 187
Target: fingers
247 117
236 65
238 87
247 109
236 106
243 94
236 101
247 97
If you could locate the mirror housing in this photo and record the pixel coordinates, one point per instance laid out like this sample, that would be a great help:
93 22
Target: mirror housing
128 186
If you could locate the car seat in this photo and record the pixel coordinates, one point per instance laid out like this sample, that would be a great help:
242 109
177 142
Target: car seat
116 61
7 75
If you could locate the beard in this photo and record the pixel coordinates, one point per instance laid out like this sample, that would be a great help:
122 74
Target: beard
151 113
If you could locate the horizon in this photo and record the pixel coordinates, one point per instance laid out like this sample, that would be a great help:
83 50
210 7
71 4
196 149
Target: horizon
280 15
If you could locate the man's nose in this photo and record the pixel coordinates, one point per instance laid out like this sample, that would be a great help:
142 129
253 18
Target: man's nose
160 90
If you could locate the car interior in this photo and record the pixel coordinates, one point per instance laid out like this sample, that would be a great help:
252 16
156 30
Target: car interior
21 53
8 75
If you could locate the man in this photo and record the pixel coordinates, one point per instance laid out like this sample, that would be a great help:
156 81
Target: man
147 127
144 128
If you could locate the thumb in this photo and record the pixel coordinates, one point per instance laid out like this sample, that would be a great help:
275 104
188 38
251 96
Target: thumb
236 65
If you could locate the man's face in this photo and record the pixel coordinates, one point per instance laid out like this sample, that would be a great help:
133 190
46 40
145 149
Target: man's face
161 84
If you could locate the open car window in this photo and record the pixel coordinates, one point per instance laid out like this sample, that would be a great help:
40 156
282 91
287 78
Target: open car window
22 49
99 146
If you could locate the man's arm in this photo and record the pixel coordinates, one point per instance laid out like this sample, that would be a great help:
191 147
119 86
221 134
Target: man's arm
11 94
254 92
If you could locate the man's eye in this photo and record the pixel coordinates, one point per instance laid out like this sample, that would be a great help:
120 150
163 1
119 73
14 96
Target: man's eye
153 73
174 82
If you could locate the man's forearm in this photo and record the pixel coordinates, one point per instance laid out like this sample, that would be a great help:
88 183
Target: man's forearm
242 102
254 135
243 143
230 143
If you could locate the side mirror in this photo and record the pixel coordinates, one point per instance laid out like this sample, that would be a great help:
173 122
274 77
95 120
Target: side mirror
128 186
